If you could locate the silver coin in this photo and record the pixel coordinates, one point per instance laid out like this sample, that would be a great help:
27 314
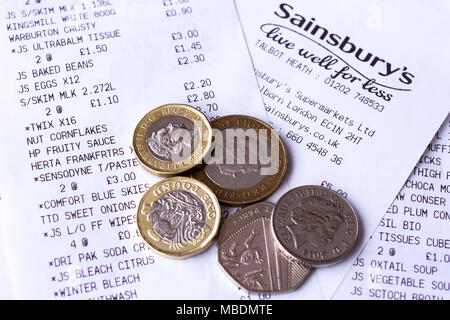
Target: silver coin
249 255
315 225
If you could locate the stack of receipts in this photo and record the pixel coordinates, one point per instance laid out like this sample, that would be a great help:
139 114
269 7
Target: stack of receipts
357 91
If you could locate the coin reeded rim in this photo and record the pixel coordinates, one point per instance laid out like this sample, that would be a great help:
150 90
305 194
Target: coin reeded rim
194 246
263 189
168 168
309 262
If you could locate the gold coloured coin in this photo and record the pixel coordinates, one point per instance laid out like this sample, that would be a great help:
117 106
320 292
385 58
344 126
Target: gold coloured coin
178 217
249 160
172 139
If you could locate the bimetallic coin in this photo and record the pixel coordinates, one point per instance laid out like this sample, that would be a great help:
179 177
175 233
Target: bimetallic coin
248 253
248 160
178 217
172 139
315 225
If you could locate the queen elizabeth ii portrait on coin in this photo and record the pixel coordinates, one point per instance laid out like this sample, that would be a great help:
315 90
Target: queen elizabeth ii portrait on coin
315 221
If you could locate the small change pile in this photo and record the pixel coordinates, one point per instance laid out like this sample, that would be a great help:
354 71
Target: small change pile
235 160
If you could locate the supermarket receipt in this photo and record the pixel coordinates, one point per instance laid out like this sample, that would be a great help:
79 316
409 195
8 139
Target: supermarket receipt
408 255
77 76
355 94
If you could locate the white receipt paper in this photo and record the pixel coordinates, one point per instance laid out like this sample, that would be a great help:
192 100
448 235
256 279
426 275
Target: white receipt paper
355 94
79 77
76 79
408 255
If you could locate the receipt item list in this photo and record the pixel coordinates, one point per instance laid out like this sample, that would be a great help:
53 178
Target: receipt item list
71 87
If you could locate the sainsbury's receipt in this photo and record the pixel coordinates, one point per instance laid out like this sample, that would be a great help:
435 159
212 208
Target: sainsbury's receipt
354 95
